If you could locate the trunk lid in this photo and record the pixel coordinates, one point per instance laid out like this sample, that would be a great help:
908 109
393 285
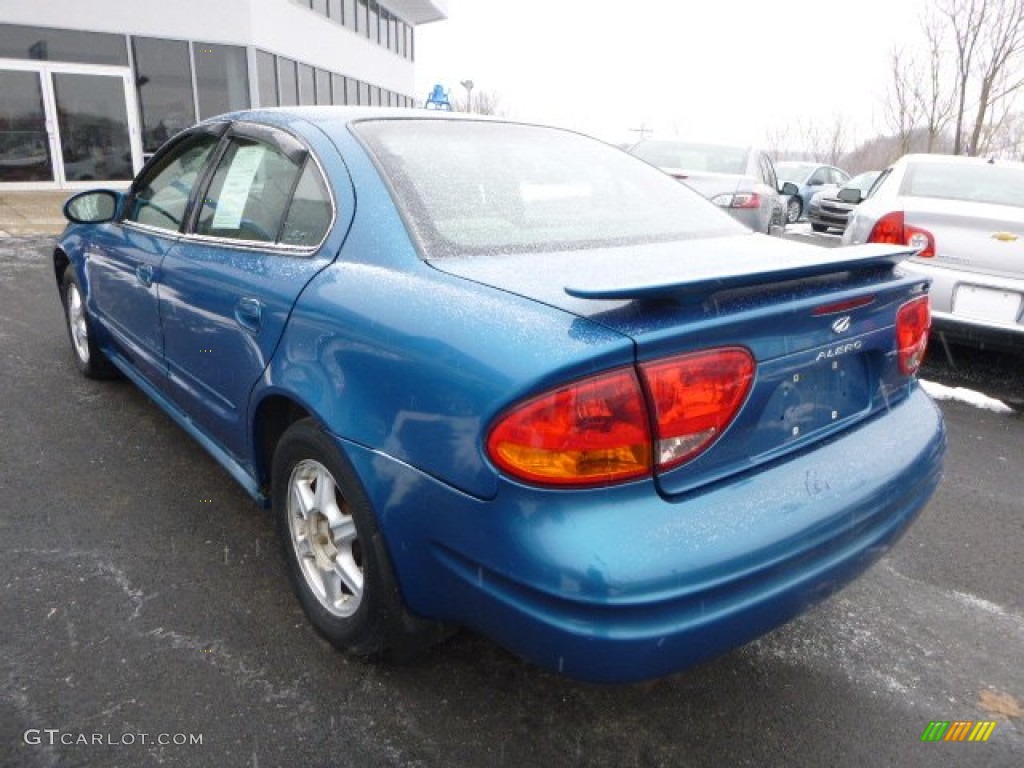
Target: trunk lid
976 236
819 323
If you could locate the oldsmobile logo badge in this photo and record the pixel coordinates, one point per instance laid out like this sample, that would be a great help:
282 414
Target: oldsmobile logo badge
841 324
1004 237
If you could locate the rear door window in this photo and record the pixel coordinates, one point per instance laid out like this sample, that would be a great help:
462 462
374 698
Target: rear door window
249 194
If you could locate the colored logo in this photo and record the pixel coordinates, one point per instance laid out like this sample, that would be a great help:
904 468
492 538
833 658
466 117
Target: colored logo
958 730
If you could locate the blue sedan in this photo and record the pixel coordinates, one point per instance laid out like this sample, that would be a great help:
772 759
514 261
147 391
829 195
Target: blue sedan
509 378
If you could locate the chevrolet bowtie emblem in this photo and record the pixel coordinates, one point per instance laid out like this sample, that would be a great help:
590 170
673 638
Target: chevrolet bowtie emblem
1005 237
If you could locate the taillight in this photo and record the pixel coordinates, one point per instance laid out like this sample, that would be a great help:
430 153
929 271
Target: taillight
695 397
738 200
892 228
598 431
913 321
593 432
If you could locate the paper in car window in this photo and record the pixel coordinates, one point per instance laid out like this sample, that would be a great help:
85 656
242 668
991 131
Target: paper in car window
237 184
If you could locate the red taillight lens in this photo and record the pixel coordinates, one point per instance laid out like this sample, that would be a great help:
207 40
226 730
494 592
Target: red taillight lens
594 432
746 200
892 228
695 397
913 321
598 431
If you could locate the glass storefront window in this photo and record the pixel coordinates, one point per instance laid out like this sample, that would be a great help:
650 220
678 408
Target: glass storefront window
351 91
163 80
93 121
307 85
222 78
372 22
320 6
323 87
350 13
266 79
334 11
364 93
337 90
45 44
24 142
287 82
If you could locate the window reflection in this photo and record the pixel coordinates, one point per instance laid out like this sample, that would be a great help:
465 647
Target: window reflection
24 143
222 78
93 122
164 85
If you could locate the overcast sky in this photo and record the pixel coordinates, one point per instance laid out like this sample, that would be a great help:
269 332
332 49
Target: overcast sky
728 70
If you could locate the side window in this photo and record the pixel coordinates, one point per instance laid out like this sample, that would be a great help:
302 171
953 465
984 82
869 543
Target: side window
160 198
249 194
838 177
309 215
820 177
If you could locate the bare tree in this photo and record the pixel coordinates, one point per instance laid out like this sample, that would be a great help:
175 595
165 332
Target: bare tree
935 100
484 103
1000 52
903 104
966 19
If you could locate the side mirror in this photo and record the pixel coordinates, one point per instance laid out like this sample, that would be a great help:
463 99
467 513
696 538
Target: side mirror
93 207
851 195
789 188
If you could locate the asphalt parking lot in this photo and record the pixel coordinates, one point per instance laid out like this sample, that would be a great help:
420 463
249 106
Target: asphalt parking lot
144 602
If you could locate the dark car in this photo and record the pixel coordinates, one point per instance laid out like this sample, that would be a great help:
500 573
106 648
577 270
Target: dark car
510 378
827 210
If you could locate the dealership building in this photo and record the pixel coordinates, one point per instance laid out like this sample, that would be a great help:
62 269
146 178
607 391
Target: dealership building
90 88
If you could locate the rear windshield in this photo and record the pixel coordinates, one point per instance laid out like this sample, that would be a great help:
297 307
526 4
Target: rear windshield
711 158
981 183
471 187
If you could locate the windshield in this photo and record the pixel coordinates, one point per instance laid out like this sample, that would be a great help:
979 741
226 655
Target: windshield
978 183
795 172
681 155
471 187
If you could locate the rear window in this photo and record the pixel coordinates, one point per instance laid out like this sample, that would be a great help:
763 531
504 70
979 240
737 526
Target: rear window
981 183
711 158
471 187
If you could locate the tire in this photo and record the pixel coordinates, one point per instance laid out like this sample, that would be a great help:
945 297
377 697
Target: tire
819 227
337 559
89 359
794 209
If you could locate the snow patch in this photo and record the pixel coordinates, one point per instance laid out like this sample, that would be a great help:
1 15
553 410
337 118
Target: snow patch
964 395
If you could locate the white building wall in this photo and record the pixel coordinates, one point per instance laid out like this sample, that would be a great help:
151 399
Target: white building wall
288 29
212 21
278 26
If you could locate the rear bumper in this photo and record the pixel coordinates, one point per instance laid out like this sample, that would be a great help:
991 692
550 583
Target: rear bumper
621 584
998 330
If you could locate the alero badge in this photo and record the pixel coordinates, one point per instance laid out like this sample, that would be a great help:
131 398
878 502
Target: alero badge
841 324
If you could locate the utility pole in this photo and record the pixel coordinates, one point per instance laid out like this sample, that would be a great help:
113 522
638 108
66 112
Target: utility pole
468 85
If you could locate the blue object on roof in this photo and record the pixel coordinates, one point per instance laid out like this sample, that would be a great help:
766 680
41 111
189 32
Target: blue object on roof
438 99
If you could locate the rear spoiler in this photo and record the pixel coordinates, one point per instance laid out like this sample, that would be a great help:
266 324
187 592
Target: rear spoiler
721 269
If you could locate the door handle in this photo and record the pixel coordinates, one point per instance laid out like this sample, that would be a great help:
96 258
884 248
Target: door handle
249 314
144 274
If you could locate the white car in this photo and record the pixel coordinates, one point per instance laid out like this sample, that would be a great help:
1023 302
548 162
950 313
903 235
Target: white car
965 215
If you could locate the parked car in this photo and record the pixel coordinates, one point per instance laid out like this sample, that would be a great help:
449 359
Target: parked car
808 178
510 378
827 211
965 218
739 179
